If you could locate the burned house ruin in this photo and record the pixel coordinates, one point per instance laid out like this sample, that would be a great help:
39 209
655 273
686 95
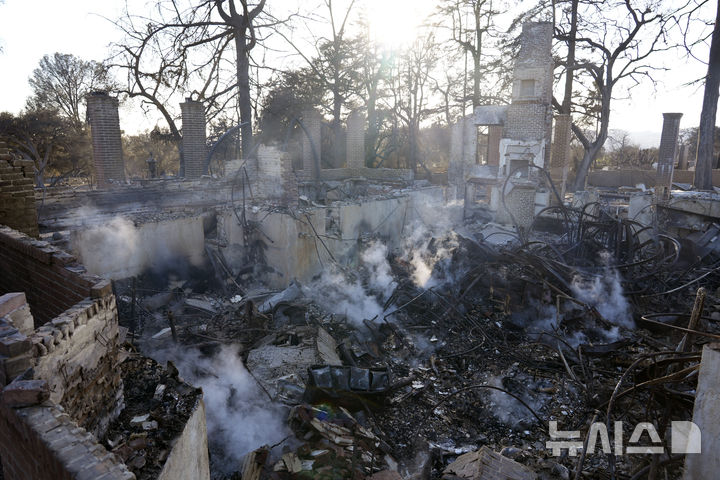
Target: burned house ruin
283 320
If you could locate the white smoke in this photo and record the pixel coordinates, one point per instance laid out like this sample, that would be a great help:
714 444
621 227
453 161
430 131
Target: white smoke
105 248
602 292
507 408
605 293
336 293
430 266
240 417
115 247
375 260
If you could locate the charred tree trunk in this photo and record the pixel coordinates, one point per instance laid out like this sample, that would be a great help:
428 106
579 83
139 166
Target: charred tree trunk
244 103
592 149
567 94
706 131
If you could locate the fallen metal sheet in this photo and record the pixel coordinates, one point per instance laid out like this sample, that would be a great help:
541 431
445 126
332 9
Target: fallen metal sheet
345 384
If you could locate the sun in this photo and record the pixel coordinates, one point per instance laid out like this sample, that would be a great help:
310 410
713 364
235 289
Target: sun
395 23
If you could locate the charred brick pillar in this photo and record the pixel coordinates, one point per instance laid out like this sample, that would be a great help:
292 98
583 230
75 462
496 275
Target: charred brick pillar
666 154
494 136
463 149
17 193
683 157
355 143
102 112
311 143
561 147
194 150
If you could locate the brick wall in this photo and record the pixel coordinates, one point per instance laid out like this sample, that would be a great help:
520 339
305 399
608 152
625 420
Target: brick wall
372 174
561 145
494 136
527 121
311 143
81 344
520 202
193 139
102 110
17 195
51 278
355 142
667 153
43 443
529 117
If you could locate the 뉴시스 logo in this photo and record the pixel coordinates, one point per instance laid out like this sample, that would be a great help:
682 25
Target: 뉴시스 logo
685 438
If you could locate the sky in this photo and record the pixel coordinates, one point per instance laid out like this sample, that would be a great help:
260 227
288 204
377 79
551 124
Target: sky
84 28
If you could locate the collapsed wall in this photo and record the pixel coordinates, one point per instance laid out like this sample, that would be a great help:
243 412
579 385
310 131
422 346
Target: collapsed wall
59 358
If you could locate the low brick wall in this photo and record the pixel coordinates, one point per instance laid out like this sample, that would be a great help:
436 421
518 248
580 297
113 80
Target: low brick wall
52 415
17 195
51 279
372 174
73 353
630 178
77 353
43 443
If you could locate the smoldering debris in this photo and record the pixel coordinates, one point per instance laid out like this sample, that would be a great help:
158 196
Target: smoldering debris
240 417
481 344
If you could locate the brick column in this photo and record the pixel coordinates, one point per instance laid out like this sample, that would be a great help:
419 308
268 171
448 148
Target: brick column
666 154
102 111
355 142
494 136
17 193
463 148
311 143
455 171
289 182
683 157
194 150
561 147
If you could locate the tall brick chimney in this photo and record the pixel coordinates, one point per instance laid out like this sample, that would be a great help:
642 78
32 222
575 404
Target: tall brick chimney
193 138
102 111
667 154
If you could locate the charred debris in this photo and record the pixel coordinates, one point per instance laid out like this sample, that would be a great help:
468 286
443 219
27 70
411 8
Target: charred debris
444 357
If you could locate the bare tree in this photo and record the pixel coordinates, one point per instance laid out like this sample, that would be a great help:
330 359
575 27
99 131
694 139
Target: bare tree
183 51
336 61
471 26
411 85
705 154
374 70
61 81
571 37
615 42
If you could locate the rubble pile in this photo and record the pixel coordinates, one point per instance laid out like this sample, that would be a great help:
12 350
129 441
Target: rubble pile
448 359
158 404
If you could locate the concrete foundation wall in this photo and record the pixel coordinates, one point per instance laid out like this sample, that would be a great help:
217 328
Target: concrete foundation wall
189 457
292 249
151 245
